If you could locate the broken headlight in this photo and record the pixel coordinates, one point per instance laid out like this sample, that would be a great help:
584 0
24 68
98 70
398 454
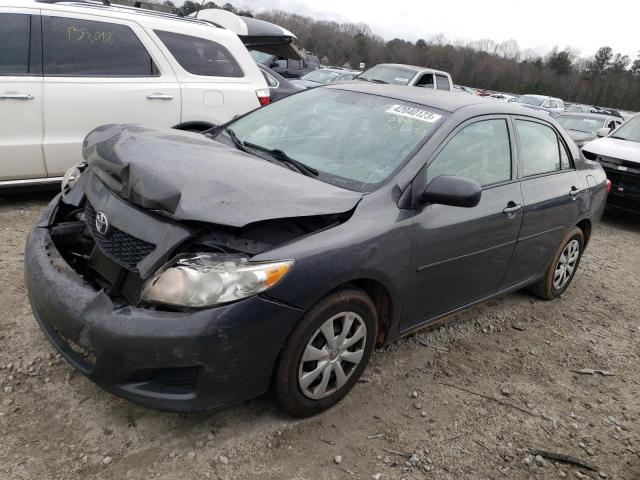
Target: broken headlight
208 279
71 177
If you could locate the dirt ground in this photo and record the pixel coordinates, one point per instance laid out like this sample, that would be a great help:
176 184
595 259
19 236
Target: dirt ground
471 400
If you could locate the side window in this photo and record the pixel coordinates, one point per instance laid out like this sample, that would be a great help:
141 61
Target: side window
552 104
347 77
443 82
272 82
84 48
480 151
295 64
542 150
200 56
426 81
20 53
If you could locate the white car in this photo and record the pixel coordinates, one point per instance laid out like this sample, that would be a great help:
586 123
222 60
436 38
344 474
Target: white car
504 97
410 75
619 155
68 67
543 103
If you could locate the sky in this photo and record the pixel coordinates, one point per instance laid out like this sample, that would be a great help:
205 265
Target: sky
539 25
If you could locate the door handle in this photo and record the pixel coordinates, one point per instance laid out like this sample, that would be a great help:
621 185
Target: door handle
512 207
16 96
160 96
574 192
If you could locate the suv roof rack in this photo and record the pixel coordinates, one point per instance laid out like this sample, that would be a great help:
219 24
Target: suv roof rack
143 7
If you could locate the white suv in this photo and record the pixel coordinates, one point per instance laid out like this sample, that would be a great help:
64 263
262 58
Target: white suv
68 67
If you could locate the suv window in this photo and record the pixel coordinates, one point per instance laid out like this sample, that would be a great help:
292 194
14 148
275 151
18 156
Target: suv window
552 104
200 56
295 64
480 151
442 82
542 150
84 48
19 55
271 81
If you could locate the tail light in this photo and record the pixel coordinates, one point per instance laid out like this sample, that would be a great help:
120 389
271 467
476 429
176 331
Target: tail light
264 97
608 185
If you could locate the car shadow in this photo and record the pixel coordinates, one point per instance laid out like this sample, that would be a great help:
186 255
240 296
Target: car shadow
622 220
27 196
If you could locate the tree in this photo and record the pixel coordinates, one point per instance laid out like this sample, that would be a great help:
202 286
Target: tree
635 67
620 62
602 60
560 61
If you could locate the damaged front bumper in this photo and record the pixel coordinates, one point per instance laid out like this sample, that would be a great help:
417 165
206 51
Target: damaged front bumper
180 361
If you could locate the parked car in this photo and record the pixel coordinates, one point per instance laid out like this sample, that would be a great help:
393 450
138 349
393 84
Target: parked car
68 67
187 273
575 108
324 76
287 67
626 115
399 74
542 102
584 127
504 97
619 154
279 87
463 89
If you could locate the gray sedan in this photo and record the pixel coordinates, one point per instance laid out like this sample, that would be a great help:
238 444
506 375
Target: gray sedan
185 272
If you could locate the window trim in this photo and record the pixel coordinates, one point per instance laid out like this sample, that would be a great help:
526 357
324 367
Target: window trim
418 183
73 15
561 143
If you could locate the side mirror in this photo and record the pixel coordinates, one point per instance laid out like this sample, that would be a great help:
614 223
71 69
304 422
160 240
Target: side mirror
603 132
453 190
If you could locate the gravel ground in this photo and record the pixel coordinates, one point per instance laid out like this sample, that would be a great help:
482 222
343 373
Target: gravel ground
473 399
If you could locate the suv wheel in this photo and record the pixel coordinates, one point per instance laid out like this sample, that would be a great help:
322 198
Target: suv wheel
563 267
326 353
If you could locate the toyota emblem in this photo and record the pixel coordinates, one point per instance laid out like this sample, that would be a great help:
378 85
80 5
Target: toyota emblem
102 223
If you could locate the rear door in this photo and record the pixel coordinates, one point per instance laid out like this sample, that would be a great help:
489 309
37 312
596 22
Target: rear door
552 192
460 255
20 95
98 72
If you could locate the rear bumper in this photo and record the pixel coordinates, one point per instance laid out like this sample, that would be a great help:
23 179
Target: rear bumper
166 360
625 190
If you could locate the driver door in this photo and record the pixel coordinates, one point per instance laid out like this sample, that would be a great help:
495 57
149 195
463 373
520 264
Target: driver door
460 255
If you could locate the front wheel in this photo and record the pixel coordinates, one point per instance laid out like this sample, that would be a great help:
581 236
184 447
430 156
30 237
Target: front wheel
563 267
326 353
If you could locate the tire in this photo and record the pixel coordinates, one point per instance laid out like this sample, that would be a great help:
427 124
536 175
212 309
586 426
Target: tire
545 288
307 387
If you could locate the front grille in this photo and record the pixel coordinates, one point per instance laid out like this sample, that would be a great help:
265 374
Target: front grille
124 249
184 378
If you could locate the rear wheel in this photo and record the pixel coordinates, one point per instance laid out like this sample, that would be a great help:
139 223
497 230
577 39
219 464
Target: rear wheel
563 267
326 353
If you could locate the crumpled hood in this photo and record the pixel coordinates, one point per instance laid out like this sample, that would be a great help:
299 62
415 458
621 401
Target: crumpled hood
616 148
191 177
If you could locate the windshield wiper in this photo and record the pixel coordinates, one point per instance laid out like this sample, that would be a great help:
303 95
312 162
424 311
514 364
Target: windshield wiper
236 141
286 159
619 138
377 80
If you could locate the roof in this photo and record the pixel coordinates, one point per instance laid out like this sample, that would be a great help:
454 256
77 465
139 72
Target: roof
410 67
597 116
439 99
95 7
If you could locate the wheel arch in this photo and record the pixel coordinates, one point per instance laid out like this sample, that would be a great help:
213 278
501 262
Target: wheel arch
586 226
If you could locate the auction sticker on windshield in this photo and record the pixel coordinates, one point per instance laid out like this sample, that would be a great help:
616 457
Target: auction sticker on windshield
411 112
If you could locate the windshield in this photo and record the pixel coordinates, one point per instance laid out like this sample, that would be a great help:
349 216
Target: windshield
630 130
354 140
321 76
529 100
581 124
388 74
261 57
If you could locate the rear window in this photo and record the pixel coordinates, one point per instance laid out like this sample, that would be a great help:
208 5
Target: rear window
84 48
200 56
388 74
18 56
